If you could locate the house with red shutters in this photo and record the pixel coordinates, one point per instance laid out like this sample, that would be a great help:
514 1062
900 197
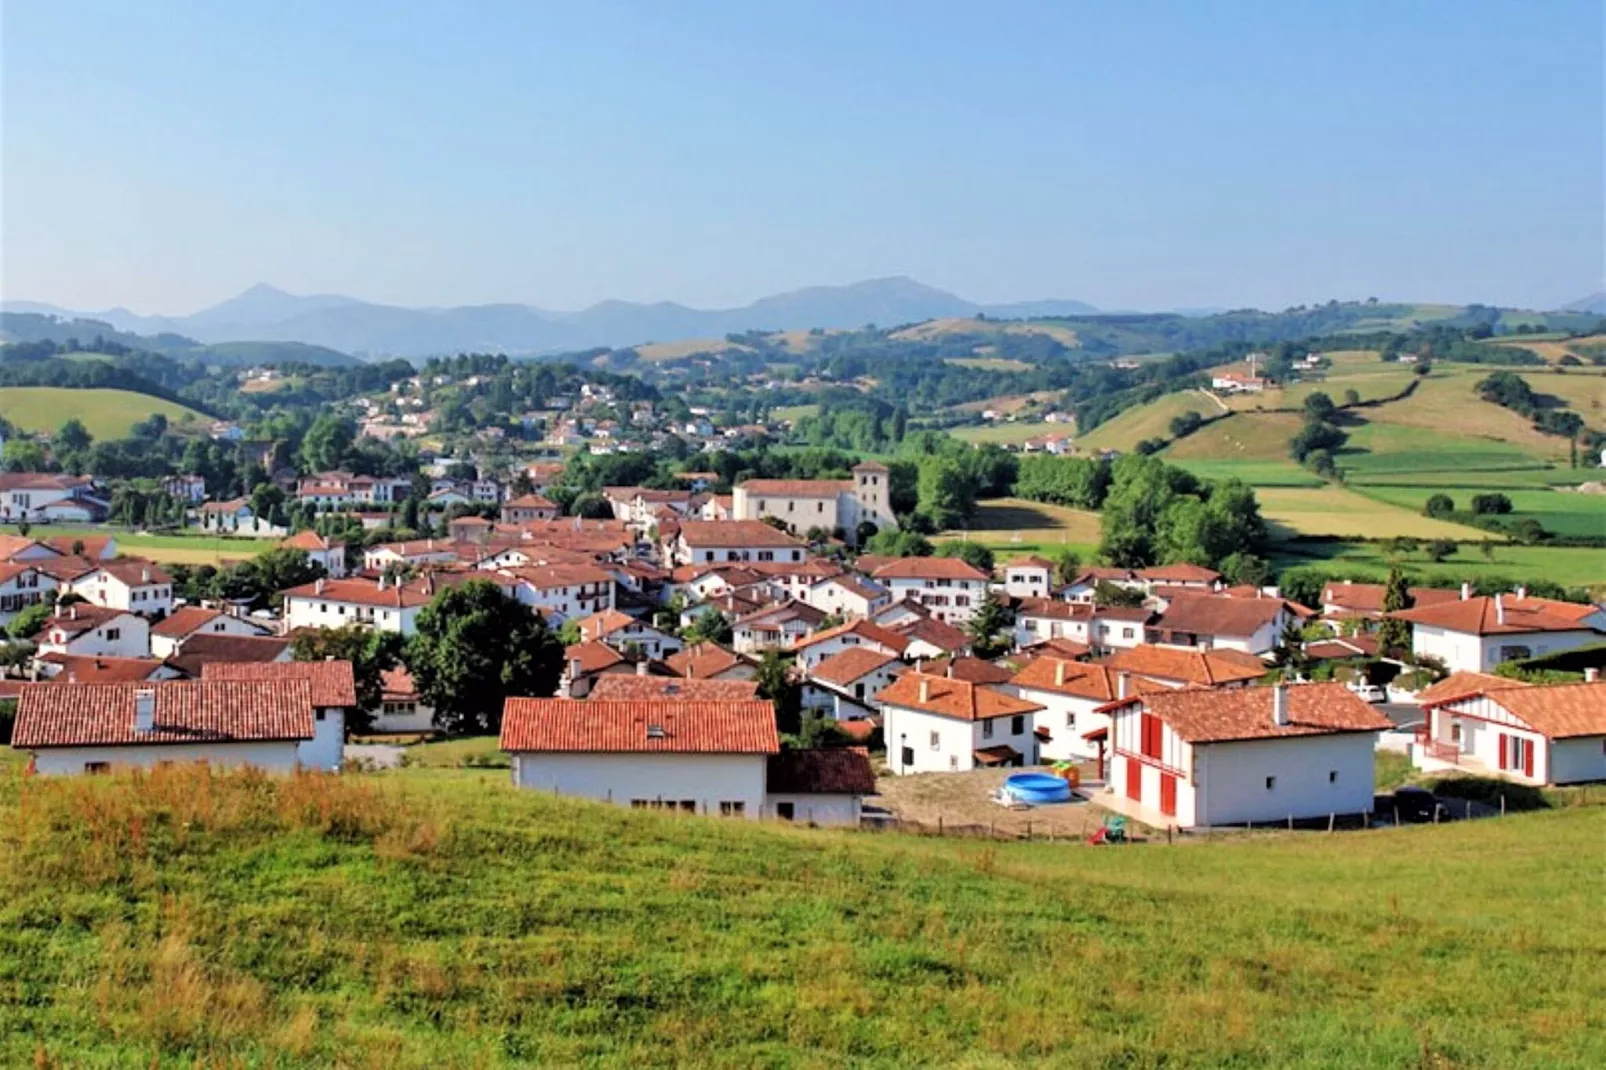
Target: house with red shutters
1492 726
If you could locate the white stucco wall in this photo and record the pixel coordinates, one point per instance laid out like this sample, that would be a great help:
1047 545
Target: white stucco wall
1067 718
707 779
278 757
1315 776
1464 652
164 646
323 751
817 809
956 740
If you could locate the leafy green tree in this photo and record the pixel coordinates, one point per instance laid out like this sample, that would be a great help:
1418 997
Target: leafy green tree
1246 569
1490 505
475 647
371 653
74 436
1392 634
777 683
1439 505
972 553
989 627
327 442
591 507
1106 593
1319 406
1067 564
1439 549
947 496
30 622
709 626
569 634
22 455
1352 397
895 543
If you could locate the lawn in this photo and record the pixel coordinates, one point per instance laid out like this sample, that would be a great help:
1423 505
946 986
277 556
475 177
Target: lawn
192 549
1567 565
440 918
476 752
1561 512
108 414
1008 433
1015 524
1335 510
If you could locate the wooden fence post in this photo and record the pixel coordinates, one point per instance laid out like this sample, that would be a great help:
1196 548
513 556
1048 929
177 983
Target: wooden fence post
1331 819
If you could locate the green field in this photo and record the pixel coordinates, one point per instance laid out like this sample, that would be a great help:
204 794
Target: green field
794 413
1255 473
108 414
1561 512
1126 429
193 549
442 919
1338 511
1567 565
1008 433
1017 526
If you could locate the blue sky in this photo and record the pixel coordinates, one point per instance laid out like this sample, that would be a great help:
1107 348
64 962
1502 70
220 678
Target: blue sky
164 155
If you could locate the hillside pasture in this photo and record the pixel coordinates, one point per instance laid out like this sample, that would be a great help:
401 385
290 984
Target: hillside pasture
1567 565
1255 473
951 326
1241 437
1009 432
1562 512
1447 404
441 918
1337 511
1584 392
108 414
990 364
190 548
1125 430
1552 349
657 351
1376 449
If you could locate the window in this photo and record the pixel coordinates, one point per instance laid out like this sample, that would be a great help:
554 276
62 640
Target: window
785 810
1070 720
1332 776
1150 734
114 634
97 768
953 763
322 714
732 809
1126 633
1271 783
1017 725
936 741
987 730
858 690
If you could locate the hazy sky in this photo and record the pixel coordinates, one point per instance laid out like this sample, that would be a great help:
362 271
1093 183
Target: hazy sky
163 155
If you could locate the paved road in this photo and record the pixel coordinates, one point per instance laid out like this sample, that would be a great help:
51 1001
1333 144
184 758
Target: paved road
1399 712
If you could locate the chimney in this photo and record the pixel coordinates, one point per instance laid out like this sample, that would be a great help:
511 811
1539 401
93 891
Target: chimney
72 611
381 581
1499 608
144 710
949 671
317 586
1466 591
1279 705
641 667
574 669
1059 673
1521 592
144 575
925 689
1592 675
1123 684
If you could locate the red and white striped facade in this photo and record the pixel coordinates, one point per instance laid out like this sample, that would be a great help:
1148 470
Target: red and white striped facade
1479 731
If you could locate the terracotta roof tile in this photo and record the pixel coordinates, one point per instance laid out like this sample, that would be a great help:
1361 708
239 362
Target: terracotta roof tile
331 681
1205 614
90 669
186 711
642 726
952 698
1054 609
750 534
701 661
974 670
618 687
310 541
1461 684
1204 716
938 634
1499 615
1183 573
1559 711
1368 597
184 620
851 664
821 771
929 568
864 629
593 656
397 684
1208 669
80 617
203 647
599 626
796 488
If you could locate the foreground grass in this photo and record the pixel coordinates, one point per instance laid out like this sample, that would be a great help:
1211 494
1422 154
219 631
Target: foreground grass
442 919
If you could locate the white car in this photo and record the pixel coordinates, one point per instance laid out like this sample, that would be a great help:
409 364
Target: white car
1368 692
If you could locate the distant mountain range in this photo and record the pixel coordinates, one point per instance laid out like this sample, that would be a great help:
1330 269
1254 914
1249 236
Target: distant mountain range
264 313
1595 304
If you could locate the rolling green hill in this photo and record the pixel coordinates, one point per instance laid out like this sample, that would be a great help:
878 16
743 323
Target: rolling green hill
108 414
439 918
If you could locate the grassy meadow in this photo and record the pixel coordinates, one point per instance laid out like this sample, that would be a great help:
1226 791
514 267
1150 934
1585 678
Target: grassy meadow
1126 429
1571 566
1336 510
108 414
189 549
440 918
1017 526
1562 512
1009 433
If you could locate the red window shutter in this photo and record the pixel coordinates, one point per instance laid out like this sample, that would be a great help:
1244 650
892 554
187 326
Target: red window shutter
1527 757
1505 745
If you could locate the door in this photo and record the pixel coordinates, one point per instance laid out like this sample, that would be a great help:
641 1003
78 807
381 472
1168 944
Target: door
1168 795
1528 757
908 757
1134 780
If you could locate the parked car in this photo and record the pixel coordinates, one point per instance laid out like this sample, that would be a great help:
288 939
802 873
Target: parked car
1417 804
1368 692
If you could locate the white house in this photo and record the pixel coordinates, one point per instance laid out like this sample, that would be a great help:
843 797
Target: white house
859 634
624 632
568 591
1171 667
236 517
699 757
818 787
320 550
1198 758
48 497
1028 577
331 688
1489 725
383 605
936 724
775 626
1213 622
848 685
82 628
415 552
847 596
22 585
402 709
171 632
949 587
1038 620
1118 627
706 541
710 661
1477 633
128 584
92 728
1070 723
829 504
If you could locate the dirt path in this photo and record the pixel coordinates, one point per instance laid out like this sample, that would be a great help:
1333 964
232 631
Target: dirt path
963 800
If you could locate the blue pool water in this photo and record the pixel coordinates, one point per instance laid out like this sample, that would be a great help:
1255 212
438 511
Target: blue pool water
1038 788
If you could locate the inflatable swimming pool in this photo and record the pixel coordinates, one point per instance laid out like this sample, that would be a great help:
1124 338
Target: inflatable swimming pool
1037 788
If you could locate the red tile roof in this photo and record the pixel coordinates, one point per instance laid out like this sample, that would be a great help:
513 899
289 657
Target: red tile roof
641 726
1209 669
1368 597
1183 573
975 670
1499 615
864 629
822 771
1203 716
1205 614
1560 711
593 656
1054 609
851 664
1077 679
929 568
702 661
186 711
202 647
952 698
80 617
618 687
796 488
89 669
748 534
184 620
1353 646
309 540
397 684
1069 649
134 571
938 634
599 626
1029 561
93 546
1461 684
331 681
